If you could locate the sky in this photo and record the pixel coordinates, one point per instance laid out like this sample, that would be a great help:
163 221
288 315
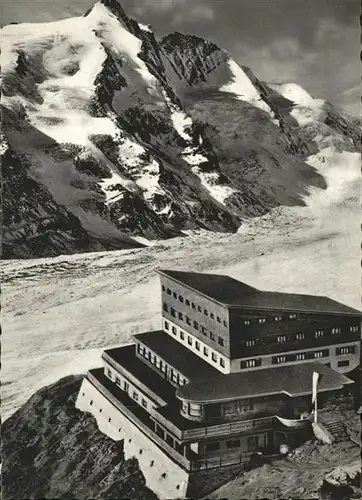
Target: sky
314 43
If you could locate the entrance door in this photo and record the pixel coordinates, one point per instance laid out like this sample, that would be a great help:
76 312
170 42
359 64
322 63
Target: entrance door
253 443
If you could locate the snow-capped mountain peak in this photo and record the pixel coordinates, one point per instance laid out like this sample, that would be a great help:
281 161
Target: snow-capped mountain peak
138 138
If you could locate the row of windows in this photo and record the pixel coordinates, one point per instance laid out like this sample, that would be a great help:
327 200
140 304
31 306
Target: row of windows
161 365
195 343
252 444
289 338
261 321
194 306
126 388
194 324
300 356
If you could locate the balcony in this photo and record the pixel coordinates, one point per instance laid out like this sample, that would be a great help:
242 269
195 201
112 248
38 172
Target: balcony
187 430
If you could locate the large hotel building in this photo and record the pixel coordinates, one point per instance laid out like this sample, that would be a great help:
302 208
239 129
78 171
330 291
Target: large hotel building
229 374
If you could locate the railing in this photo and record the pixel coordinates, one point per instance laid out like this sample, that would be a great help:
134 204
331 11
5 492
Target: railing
215 462
144 428
229 428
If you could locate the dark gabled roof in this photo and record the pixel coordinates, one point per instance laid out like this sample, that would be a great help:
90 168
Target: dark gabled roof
233 293
291 380
175 354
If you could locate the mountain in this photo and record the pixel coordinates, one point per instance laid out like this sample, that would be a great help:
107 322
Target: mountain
118 138
52 450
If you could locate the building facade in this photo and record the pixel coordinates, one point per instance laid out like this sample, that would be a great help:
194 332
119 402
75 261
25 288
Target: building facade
229 374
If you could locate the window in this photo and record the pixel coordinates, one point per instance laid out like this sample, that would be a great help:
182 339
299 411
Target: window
245 405
336 331
218 319
197 345
214 357
135 396
262 320
321 354
196 325
281 338
250 363
203 330
199 309
165 307
168 291
212 336
300 356
318 334
182 381
173 312
187 302
234 443
174 330
300 336
225 323
250 343
175 295
246 322
147 354
212 315
167 325
163 288
174 376
153 359
193 305
350 349
182 335
158 363
279 359
205 312
345 362
220 341
109 373
195 410
180 316
144 403
140 349
292 316
189 340
180 298
206 351
353 328
277 318
126 386
222 362
253 443
118 381
212 446
188 321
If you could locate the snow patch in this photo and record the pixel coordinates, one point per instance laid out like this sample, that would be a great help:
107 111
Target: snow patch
145 28
307 110
210 181
243 88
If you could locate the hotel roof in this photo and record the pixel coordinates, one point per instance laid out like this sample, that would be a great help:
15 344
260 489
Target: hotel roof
175 354
233 293
291 380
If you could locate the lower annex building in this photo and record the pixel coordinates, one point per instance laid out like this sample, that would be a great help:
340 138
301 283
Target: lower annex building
229 374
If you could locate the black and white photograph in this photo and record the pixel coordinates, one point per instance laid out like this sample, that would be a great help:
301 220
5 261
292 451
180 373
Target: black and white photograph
181 250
